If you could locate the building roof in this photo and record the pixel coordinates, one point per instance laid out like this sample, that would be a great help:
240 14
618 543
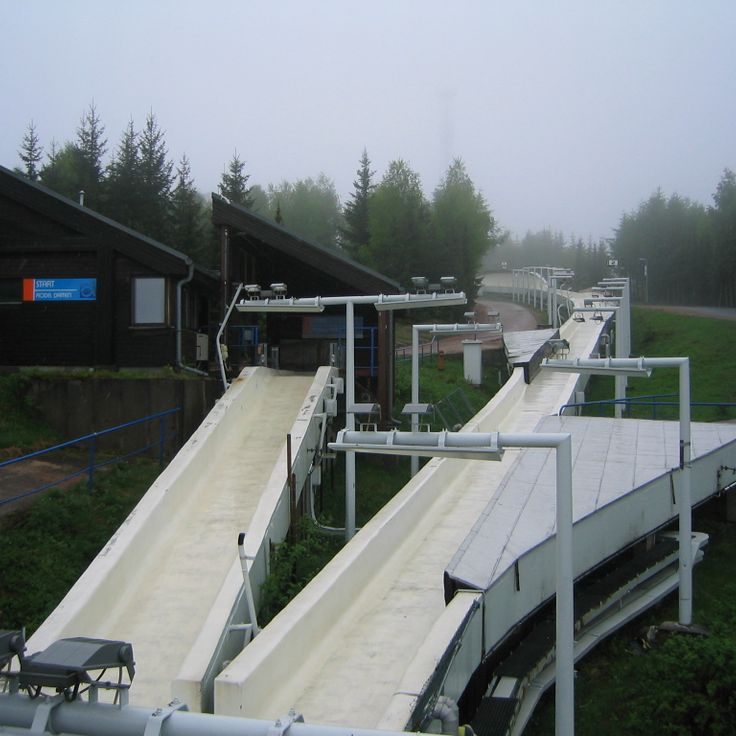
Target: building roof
259 234
21 198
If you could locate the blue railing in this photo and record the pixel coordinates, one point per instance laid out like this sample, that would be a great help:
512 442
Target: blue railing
653 401
92 461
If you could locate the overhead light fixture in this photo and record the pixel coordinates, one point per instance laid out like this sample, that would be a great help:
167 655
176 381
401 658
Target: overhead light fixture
420 284
448 283
633 367
278 290
281 304
67 664
387 302
253 291
466 445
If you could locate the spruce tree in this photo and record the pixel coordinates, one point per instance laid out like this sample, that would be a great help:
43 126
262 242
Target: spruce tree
91 146
234 183
124 182
188 218
156 180
355 234
30 153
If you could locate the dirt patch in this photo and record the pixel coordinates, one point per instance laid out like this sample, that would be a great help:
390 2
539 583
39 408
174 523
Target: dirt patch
19 479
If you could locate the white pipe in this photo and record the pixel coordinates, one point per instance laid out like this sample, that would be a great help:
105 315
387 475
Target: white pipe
81 718
218 351
246 583
685 510
349 419
414 389
179 285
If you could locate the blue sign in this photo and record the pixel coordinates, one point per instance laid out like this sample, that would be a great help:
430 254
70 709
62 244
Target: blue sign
59 290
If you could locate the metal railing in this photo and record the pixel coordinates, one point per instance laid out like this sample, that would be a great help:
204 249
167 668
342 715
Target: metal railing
426 349
653 401
93 463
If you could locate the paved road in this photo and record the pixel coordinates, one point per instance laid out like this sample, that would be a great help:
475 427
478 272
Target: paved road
514 318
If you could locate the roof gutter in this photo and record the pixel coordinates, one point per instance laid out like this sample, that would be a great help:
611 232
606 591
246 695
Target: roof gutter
179 286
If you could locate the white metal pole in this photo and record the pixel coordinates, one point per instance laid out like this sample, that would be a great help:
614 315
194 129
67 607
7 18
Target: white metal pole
349 419
565 616
414 390
685 511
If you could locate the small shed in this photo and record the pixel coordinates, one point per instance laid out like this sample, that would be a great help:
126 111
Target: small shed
78 289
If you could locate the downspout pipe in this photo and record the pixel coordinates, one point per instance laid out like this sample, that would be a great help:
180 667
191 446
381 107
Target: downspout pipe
179 287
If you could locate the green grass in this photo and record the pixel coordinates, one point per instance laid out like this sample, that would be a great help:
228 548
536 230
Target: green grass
685 684
709 343
45 547
22 428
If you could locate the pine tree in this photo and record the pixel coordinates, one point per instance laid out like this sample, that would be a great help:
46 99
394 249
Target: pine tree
188 216
277 218
124 181
156 180
31 152
355 234
234 183
91 146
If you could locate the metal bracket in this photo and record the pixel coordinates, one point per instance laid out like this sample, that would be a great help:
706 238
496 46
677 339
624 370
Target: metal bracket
156 721
283 724
43 714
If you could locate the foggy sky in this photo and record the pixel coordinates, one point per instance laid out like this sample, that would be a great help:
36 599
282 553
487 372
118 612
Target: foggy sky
567 114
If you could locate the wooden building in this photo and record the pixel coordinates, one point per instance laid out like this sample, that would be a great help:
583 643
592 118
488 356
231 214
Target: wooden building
254 250
78 289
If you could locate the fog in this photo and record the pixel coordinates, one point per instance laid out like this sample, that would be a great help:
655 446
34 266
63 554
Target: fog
567 114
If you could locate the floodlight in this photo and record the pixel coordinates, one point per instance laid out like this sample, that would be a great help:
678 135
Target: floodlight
253 291
278 290
420 284
67 664
12 644
448 283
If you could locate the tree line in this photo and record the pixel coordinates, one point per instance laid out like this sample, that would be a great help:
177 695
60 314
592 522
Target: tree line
588 259
682 252
387 224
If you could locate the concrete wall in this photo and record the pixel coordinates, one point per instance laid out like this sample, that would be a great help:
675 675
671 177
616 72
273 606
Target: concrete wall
79 406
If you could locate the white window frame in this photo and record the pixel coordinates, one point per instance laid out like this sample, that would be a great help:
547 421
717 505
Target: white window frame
149 301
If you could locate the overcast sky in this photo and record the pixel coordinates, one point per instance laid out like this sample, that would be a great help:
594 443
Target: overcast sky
567 114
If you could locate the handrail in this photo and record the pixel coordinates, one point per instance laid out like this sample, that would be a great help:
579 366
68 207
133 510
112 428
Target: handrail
630 401
92 465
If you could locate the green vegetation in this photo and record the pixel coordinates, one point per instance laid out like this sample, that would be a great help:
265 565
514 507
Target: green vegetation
45 547
21 428
711 346
684 684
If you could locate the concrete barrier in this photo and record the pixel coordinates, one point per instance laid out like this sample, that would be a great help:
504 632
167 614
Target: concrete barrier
288 649
216 643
